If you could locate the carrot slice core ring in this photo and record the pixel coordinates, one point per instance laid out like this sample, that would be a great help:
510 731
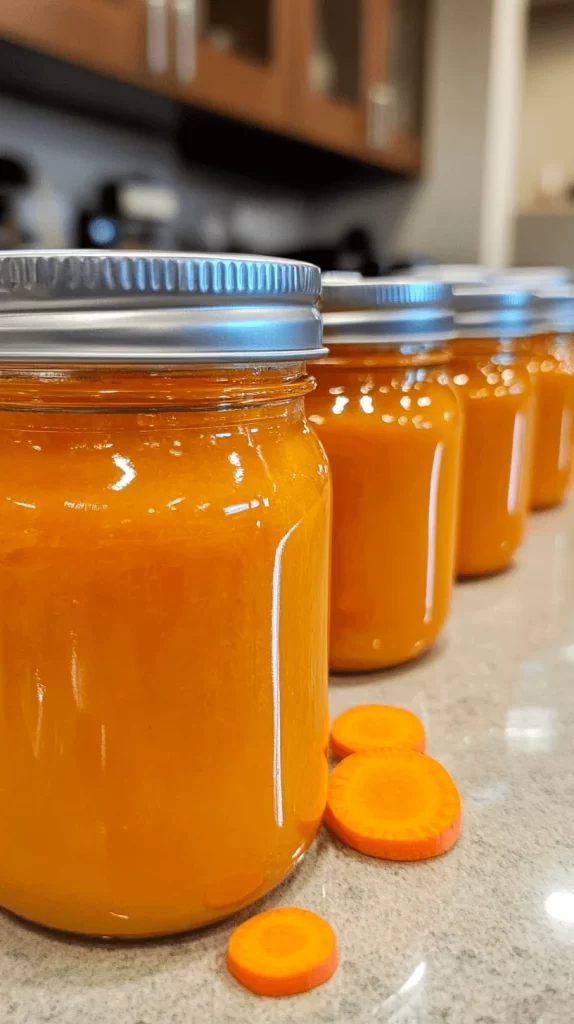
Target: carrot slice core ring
393 804
282 952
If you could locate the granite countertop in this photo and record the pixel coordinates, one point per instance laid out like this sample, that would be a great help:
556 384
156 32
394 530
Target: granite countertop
481 936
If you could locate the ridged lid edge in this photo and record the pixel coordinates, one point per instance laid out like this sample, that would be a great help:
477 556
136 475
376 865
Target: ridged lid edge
385 293
57 276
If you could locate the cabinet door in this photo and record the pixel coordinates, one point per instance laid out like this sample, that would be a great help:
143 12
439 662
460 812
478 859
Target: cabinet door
331 81
124 38
353 92
233 56
403 90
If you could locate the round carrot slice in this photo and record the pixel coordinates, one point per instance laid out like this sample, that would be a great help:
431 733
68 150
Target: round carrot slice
369 726
394 804
282 952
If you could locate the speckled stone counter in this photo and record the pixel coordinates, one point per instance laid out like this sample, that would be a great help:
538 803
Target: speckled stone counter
481 936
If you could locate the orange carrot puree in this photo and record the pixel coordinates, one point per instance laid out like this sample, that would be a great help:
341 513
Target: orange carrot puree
390 423
551 371
498 401
163 644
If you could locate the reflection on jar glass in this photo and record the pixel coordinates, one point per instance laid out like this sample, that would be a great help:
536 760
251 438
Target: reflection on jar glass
164 546
550 365
388 416
490 372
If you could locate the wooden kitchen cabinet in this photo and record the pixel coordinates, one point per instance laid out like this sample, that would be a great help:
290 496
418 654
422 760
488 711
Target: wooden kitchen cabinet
405 75
234 56
359 82
127 39
343 74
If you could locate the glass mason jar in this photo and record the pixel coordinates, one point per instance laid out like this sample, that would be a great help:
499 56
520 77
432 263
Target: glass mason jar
164 561
491 375
389 419
550 365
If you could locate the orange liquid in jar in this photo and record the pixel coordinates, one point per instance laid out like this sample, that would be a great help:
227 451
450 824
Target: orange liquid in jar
390 424
498 401
163 644
550 367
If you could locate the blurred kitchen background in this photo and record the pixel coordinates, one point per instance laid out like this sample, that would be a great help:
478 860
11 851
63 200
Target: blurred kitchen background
364 134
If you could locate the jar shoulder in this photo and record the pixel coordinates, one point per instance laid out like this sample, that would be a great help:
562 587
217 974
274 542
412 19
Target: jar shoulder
382 400
483 376
148 476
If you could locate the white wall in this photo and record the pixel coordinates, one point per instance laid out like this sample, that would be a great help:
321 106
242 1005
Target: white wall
544 238
547 136
440 215
505 94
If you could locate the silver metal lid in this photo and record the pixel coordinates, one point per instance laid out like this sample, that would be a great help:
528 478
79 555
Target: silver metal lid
496 312
387 311
534 278
558 309
131 307
454 273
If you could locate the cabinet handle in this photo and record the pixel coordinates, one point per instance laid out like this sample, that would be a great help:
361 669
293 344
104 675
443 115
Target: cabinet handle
185 39
381 115
157 37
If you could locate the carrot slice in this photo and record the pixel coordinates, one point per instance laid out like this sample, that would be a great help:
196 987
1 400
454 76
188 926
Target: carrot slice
394 804
282 952
369 726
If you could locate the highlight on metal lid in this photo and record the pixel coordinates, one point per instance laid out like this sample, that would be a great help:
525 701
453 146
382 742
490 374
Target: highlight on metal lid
83 306
393 310
558 309
340 276
496 311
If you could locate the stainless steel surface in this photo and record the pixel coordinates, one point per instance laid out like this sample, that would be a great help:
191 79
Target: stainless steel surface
157 42
143 307
483 935
387 311
381 115
185 39
497 311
